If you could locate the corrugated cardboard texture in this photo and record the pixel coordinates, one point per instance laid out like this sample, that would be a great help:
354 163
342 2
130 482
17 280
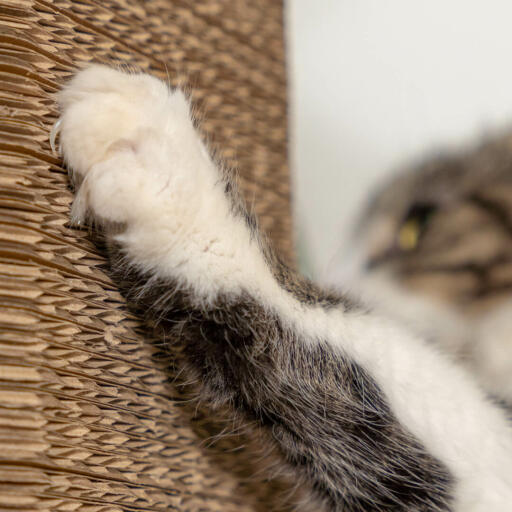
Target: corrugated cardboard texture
90 419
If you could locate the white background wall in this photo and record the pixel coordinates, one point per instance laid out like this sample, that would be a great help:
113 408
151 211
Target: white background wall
376 82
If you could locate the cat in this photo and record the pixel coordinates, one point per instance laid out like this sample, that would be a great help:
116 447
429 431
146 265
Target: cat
434 249
366 414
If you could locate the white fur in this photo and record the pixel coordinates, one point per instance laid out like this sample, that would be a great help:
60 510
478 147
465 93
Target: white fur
492 350
144 165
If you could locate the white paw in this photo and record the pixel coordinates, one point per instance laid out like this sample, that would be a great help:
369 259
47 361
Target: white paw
137 160
124 137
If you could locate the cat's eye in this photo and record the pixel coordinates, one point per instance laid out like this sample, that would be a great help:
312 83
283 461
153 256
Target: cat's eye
414 225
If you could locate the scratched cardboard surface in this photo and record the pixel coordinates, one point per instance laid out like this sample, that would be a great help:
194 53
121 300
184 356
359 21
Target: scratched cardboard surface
90 417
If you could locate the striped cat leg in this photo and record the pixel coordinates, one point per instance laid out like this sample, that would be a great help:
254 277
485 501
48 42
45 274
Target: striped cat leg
368 417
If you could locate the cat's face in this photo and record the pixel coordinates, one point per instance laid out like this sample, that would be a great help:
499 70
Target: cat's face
444 229
434 250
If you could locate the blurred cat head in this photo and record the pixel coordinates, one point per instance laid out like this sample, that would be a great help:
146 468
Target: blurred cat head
444 229
433 248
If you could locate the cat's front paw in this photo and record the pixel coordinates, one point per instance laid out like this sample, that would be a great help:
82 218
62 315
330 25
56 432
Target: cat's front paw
114 130
101 106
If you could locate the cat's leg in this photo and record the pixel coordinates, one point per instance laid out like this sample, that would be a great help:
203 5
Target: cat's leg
370 418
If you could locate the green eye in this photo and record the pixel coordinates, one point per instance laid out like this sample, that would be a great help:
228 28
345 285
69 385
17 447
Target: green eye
414 225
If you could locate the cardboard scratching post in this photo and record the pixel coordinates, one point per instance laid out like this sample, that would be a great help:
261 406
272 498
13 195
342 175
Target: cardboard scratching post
89 417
